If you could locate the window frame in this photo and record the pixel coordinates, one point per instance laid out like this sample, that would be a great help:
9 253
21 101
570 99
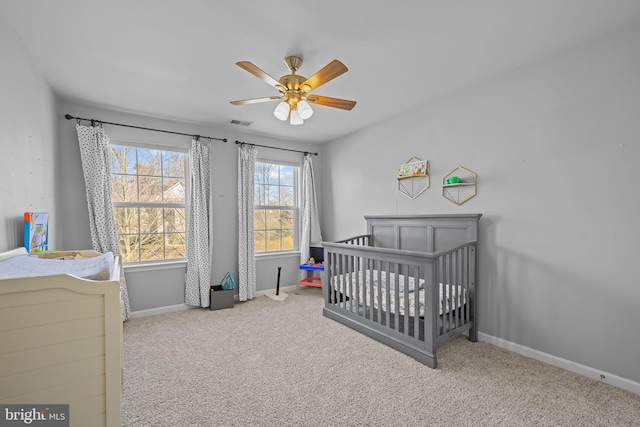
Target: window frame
295 209
158 147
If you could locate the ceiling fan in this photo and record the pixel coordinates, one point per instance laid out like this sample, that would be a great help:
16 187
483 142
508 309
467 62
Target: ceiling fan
295 90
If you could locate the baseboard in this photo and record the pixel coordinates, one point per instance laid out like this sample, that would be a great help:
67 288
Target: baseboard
180 307
605 377
160 310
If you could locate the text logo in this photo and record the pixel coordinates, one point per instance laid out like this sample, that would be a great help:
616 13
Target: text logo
34 415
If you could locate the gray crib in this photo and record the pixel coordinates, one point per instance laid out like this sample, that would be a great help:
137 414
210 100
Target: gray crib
410 282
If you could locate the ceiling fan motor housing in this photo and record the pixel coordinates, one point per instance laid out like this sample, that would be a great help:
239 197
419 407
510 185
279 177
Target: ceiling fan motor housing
294 89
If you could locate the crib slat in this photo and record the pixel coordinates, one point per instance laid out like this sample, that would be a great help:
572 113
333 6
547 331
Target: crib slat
353 289
386 292
453 289
459 288
447 292
464 283
396 287
378 270
342 259
353 270
328 279
445 280
467 284
404 270
439 281
337 273
370 289
416 308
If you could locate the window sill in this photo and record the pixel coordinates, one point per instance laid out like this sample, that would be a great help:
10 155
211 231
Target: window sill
151 266
288 254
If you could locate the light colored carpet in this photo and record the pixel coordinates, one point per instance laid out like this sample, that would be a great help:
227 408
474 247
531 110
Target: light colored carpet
272 363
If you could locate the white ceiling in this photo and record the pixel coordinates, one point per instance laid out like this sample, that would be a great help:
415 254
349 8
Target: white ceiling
176 59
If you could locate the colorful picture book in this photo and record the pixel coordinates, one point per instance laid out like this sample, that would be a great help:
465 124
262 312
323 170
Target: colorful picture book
418 168
36 231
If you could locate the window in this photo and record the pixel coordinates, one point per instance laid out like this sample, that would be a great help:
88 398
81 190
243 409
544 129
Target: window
275 207
148 194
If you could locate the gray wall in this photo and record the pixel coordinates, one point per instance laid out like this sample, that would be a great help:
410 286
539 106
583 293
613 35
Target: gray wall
556 149
28 160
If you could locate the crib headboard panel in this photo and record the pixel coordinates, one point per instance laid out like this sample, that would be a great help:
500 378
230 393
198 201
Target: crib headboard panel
422 233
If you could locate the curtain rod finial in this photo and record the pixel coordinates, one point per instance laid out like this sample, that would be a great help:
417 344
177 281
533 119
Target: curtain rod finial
68 116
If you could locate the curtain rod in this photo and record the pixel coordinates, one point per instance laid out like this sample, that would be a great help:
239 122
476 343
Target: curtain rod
69 117
276 148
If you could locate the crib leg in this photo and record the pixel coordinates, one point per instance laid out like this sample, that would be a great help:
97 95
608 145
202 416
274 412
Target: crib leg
473 332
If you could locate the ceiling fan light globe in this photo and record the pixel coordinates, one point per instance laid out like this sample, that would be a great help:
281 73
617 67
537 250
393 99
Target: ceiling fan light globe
304 109
295 118
282 111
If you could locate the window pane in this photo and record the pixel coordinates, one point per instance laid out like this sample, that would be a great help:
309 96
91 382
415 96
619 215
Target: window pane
129 247
274 174
273 219
122 159
286 219
151 220
151 247
174 220
261 173
274 195
173 164
124 188
287 240
287 196
149 162
286 175
173 190
175 245
126 220
259 220
150 189
273 240
260 241
259 194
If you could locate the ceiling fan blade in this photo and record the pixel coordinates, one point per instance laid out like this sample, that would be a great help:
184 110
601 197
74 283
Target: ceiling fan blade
248 66
255 100
344 104
330 71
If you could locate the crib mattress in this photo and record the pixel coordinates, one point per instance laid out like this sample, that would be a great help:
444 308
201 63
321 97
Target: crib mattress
364 281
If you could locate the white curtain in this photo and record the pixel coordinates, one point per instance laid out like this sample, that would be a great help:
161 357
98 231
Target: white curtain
310 221
198 279
94 153
246 248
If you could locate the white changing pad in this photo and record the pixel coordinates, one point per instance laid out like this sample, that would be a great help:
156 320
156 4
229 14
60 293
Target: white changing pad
96 268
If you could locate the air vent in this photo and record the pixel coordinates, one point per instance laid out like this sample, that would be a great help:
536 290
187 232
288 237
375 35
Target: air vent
240 122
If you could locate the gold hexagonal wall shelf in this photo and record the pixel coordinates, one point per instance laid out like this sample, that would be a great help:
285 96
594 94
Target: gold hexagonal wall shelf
459 185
